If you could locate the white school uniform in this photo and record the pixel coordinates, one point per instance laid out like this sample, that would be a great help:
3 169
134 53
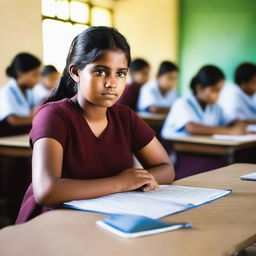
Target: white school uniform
40 92
187 109
236 104
150 95
13 101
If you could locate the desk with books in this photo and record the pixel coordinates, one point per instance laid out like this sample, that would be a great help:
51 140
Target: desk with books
222 227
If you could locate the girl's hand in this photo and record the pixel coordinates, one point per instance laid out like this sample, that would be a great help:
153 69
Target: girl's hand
131 179
238 128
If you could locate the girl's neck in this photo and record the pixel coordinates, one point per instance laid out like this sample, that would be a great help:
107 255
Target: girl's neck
90 111
201 103
22 87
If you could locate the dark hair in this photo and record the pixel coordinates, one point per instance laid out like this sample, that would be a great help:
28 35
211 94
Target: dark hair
86 48
48 69
244 73
165 67
138 64
207 76
22 62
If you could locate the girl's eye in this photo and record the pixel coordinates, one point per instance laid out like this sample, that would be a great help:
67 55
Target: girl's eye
100 73
121 74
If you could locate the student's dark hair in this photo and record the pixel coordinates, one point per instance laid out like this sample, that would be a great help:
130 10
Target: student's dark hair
22 62
165 67
86 48
48 69
138 64
207 76
244 73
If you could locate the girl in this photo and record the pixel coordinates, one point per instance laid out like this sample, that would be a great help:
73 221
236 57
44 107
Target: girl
17 100
237 101
49 79
198 113
157 96
139 71
83 143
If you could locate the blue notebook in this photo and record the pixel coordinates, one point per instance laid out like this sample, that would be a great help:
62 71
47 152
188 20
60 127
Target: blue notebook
131 226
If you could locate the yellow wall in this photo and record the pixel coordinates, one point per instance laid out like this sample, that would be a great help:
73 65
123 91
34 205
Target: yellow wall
150 27
20 23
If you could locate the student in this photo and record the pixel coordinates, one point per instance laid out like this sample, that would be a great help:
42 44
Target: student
139 71
197 113
83 143
158 95
49 79
17 100
237 101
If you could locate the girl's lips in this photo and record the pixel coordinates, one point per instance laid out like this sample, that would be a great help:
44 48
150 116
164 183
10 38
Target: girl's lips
109 95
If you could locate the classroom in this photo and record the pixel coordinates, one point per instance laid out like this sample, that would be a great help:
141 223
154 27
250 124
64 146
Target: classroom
128 127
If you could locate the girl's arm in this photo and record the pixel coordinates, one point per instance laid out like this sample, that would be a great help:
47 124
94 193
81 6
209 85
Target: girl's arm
50 189
155 160
199 129
15 120
159 110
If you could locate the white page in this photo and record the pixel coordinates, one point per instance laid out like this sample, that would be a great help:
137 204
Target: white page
248 137
250 176
128 203
251 128
166 200
183 195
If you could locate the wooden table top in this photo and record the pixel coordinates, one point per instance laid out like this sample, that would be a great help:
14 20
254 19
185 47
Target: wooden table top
15 141
220 228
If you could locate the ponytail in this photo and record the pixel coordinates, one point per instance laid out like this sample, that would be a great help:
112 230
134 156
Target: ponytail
67 88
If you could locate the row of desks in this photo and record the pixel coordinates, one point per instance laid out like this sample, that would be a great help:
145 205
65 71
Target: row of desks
220 228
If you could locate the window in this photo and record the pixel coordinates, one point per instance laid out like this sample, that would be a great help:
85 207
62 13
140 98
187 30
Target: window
62 21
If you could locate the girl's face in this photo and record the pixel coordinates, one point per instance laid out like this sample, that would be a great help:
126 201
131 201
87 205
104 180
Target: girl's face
50 80
250 86
168 80
103 81
140 77
30 78
209 94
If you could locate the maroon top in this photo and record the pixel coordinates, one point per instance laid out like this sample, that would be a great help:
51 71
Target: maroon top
85 155
130 95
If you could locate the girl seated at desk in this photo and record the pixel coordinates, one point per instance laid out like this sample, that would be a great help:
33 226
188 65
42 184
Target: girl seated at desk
237 100
139 72
49 79
18 103
158 95
83 143
198 112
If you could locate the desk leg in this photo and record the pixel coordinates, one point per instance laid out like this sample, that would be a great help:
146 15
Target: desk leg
231 156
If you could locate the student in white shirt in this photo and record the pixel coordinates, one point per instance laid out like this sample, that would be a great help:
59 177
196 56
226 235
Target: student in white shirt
237 99
17 103
158 95
198 112
49 79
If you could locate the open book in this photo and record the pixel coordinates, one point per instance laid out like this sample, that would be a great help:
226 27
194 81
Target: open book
241 138
168 199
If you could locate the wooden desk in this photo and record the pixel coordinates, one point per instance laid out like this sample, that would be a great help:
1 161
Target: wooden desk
209 146
15 146
152 119
220 228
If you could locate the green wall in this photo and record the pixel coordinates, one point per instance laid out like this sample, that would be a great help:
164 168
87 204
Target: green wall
220 32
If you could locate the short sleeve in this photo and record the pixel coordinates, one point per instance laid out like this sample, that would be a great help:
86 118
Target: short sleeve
146 98
142 134
49 123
